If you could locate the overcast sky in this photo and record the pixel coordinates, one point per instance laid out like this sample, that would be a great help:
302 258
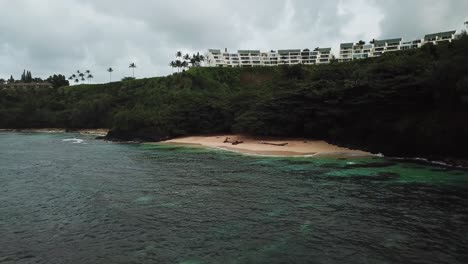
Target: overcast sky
62 36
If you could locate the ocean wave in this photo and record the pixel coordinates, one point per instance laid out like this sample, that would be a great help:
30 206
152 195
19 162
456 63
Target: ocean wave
74 140
432 162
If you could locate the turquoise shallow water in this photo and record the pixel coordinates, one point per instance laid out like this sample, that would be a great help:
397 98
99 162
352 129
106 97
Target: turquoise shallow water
67 198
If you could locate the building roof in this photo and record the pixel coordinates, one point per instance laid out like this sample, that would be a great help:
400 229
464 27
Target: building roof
324 49
440 35
346 45
214 51
249 51
289 51
383 41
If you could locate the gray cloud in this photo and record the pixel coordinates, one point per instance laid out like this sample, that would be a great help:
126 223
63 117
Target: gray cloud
412 19
54 36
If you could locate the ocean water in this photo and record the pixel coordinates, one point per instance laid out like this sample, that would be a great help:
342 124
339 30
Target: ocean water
67 198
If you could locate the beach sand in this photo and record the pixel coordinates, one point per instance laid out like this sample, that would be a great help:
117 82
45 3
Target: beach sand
250 145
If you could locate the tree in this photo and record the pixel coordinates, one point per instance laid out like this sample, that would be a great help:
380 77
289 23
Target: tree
29 77
2 81
199 59
58 80
178 61
133 66
82 76
72 77
23 76
90 76
193 61
178 64
184 65
110 70
11 80
187 57
172 64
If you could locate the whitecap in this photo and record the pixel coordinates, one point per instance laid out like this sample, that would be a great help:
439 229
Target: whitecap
74 140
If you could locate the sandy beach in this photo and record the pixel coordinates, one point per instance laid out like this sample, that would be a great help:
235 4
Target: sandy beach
267 146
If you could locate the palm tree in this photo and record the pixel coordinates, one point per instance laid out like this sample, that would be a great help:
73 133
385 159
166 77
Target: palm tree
199 59
178 54
184 65
110 70
73 78
133 66
172 64
82 76
90 76
187 59
193 61
178 64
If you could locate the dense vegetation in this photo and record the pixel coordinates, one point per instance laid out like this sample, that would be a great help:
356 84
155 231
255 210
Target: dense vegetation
55 80
406 103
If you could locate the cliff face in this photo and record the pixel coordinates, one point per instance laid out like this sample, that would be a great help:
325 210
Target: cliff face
412 103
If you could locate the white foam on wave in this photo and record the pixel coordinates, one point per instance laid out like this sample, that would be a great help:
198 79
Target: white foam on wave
433 162
74 140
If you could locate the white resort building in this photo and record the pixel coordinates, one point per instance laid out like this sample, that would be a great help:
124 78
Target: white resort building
439 37
348 52
252 58
351 51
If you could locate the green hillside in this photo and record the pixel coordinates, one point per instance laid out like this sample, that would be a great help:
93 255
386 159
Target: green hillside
405 103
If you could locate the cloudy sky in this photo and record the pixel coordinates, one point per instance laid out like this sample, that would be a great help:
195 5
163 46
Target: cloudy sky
61 36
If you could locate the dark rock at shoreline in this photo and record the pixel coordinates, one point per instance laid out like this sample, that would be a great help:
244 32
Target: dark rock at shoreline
134 136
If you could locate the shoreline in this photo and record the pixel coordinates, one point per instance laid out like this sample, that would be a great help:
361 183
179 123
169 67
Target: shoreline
251 146
101 132
293 147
